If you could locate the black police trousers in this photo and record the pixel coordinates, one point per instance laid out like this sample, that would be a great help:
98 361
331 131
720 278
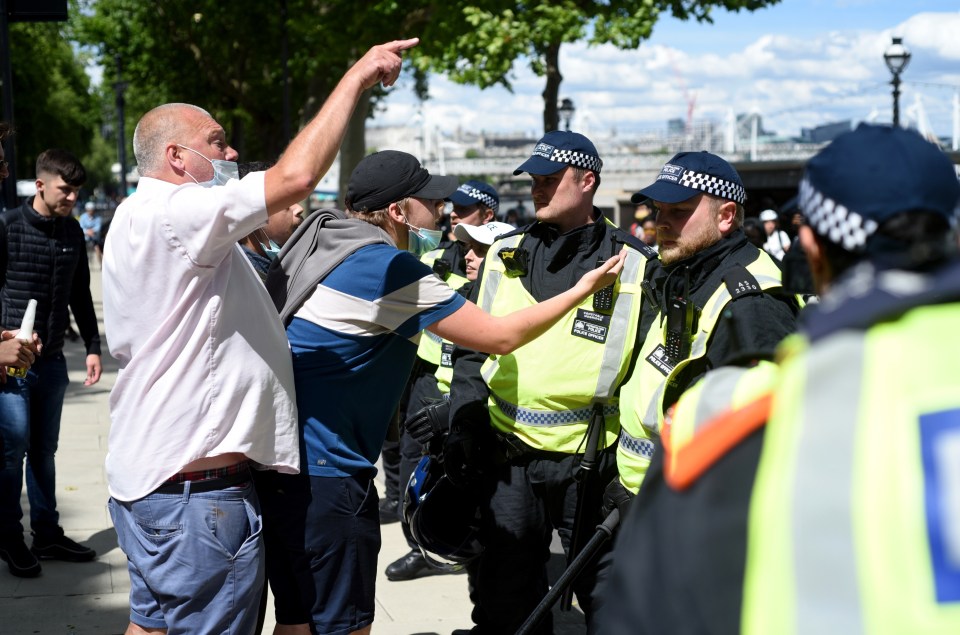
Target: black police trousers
529 498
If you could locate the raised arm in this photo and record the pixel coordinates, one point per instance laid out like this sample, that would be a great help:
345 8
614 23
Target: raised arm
312 151
470 326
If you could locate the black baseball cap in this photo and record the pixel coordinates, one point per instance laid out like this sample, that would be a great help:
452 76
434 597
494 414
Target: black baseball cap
389 176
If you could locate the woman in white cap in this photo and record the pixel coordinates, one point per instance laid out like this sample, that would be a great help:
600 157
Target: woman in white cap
778 243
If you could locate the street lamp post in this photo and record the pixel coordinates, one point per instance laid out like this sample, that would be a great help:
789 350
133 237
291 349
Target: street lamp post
566 111
897 57
120 87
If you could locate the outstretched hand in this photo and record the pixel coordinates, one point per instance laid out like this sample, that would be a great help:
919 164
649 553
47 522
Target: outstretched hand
603 276
383 63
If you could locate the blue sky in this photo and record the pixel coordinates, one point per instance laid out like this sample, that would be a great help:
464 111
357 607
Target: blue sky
800 63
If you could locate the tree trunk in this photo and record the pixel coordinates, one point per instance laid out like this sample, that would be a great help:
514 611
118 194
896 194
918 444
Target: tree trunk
354 146
551 91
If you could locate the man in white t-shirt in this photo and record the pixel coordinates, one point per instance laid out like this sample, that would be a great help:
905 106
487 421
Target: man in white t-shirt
205 386
778 243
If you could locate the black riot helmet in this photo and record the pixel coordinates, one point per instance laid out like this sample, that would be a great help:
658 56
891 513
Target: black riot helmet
443 519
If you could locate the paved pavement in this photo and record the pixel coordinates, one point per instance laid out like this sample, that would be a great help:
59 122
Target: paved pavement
91 598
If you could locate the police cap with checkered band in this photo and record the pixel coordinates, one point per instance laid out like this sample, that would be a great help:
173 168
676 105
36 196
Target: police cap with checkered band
870 174
689 174
473 192
559 149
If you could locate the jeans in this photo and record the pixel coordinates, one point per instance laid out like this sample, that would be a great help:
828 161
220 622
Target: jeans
195 560
30 424
322 540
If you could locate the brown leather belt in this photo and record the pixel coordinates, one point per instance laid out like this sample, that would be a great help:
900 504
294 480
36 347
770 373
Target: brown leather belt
207 480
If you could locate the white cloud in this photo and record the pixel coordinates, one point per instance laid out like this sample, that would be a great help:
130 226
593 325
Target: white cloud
794 81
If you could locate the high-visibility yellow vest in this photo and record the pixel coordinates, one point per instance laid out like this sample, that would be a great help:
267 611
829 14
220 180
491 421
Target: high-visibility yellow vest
431 345
545 391
643 394
855 516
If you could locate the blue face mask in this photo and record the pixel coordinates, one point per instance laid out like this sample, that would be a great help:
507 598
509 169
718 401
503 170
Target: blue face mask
270 250
223 171
420 240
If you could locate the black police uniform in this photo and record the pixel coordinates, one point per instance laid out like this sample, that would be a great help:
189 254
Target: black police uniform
509 589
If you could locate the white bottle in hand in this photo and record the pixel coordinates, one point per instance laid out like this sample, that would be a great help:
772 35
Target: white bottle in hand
25 334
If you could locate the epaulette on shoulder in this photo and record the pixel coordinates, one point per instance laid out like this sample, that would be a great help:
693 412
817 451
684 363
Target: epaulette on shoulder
627 238
684 463
741 282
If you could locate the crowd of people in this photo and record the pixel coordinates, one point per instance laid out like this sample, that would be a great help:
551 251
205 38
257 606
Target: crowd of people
777 464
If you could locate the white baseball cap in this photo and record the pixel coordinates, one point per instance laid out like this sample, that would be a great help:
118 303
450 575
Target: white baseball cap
769 214
483 234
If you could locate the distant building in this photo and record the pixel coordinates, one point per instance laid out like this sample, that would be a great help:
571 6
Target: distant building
745 124
825 133
676 126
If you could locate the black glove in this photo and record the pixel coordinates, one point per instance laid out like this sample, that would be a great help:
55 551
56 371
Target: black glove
429 422
461 456
470 445
616 496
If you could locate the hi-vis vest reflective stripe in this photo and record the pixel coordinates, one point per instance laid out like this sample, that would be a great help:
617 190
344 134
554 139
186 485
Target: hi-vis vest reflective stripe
544 391
644 390
855 515
431 344
712 417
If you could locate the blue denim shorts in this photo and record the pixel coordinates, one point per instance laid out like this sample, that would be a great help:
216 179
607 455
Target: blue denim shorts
322 541
195 559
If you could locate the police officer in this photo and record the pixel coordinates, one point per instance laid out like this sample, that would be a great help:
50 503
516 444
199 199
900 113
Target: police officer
717 298
838 514
531 409
475 203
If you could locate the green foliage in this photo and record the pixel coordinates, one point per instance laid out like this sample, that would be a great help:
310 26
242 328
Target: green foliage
478 42
227 57
52 103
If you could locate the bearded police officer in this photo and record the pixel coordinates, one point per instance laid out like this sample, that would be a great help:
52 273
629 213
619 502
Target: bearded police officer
716 299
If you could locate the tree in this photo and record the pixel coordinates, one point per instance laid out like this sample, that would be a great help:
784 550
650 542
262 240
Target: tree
227 58
53 106
488 37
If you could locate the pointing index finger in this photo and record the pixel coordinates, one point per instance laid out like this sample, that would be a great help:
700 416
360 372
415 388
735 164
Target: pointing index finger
402 45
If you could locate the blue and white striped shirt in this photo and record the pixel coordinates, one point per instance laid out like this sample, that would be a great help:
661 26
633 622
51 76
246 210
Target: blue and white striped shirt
354 342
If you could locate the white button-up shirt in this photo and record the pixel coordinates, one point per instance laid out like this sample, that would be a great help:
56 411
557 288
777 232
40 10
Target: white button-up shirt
205 366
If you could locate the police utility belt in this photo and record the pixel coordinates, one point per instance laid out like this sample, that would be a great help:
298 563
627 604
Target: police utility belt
510 448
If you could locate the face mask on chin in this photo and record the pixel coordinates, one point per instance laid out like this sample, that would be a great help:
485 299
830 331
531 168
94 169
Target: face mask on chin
271 249
420 240
223 171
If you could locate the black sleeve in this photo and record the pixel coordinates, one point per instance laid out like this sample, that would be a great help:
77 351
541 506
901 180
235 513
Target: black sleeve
468 391
749 328
679 559
81 303
3 263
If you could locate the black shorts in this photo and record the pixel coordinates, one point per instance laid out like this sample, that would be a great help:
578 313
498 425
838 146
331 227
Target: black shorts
322 537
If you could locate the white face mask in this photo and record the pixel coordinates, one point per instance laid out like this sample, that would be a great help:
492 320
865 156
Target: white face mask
223 171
